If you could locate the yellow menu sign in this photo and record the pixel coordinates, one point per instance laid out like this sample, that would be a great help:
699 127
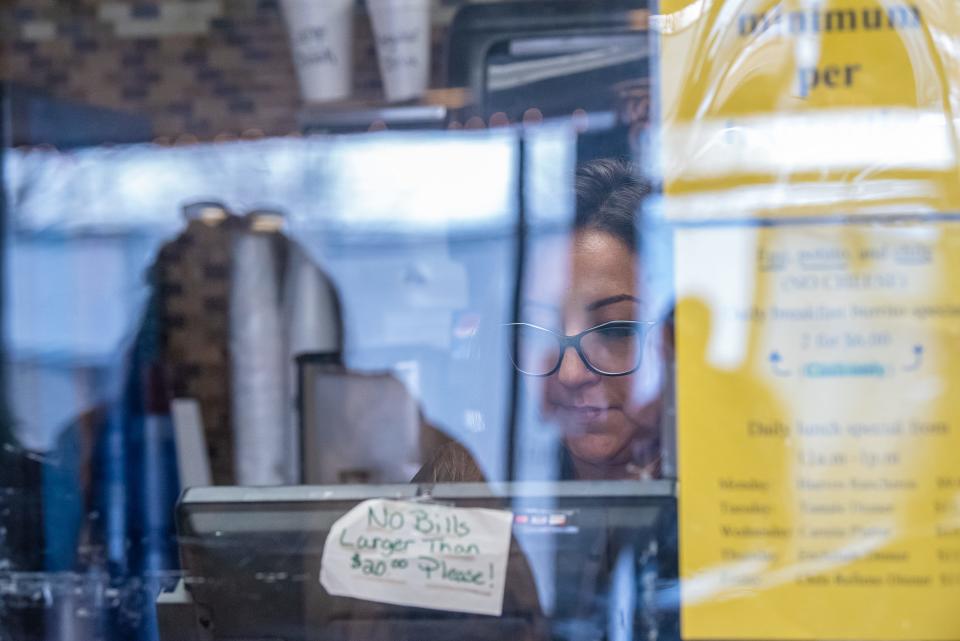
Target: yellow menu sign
853 103
818 356
819 411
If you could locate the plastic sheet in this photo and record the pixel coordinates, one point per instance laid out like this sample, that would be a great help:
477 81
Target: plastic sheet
811 167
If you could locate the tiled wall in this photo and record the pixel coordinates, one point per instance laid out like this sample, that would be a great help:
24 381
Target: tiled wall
196 68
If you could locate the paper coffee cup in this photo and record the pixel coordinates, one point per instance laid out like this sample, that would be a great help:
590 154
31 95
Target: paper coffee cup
401 29
321 40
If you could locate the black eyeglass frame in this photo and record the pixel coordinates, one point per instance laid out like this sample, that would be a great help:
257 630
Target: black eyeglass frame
574 342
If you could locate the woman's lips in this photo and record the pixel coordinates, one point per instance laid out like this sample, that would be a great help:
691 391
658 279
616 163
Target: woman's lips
582 414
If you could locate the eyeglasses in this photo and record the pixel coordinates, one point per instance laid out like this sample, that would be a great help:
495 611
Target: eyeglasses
610 349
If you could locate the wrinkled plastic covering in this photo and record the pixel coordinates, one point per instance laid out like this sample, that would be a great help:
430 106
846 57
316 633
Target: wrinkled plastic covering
802 109
809 157
798 286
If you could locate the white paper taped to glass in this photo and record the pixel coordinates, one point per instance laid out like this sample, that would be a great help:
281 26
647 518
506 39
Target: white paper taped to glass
419 554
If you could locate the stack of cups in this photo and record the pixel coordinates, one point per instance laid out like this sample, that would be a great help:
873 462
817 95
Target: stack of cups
401 29
321 39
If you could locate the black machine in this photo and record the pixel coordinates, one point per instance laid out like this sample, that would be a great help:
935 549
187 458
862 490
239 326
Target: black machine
556 58
588 561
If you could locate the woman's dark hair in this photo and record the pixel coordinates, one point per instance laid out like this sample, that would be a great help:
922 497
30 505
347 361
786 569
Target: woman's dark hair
608 196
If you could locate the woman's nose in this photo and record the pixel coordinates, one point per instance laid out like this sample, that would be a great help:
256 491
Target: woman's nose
573 371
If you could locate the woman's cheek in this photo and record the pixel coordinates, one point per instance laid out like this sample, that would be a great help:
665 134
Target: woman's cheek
648 382
645 418
540 388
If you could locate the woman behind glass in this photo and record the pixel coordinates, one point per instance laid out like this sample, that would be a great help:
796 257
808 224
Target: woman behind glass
587 347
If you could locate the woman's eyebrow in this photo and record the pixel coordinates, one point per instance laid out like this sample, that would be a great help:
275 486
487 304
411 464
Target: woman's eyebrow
610 300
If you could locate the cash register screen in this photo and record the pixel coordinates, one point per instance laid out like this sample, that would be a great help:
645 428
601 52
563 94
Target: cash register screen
552 73
585 562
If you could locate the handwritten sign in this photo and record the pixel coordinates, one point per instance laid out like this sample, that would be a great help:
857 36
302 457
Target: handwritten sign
419 554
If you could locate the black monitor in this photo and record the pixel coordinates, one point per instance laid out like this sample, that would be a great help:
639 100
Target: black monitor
588 561
557 57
